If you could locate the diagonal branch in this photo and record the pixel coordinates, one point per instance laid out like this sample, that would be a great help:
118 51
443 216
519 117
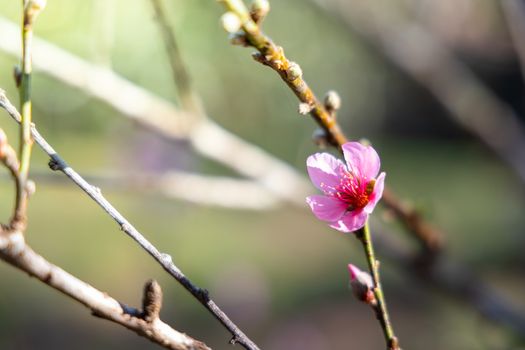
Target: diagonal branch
202 295
16 252
273 56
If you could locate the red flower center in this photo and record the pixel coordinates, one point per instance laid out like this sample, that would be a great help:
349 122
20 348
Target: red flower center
354 191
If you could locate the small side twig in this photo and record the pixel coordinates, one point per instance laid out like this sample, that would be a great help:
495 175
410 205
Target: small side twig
188 99
164 260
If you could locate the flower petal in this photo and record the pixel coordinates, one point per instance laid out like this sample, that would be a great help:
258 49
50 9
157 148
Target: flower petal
324 170
362 160
376 195
326 208
352 221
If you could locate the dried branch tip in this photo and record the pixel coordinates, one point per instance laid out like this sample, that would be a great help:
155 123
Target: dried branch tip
151 301
231 22
259 9
332 101
33 9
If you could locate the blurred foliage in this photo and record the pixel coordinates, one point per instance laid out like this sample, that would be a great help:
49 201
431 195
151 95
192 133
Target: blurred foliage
290 269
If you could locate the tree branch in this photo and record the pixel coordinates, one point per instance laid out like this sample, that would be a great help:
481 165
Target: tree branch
58 164
273 56
16 252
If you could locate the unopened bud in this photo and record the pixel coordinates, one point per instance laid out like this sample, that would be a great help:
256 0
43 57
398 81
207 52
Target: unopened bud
231 22
332 101
238 38
259 10
30 188
362 285
294 71
365 142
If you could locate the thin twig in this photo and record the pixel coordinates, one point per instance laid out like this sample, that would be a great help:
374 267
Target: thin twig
363 235
273 56
189 101
202 295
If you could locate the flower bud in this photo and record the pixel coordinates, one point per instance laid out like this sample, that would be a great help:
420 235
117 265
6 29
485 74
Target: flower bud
332 101
294 71
259 10
231 22
362 285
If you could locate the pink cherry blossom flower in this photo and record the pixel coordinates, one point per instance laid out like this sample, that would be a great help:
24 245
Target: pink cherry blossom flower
351 191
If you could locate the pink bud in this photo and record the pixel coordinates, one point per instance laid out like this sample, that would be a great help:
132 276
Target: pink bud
362 285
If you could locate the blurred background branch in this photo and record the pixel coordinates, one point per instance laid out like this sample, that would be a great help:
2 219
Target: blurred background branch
514 11
140 105
420 54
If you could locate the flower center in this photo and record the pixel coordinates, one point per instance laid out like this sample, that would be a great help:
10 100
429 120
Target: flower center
354 191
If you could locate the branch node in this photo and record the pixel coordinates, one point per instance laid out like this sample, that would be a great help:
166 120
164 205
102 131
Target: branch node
17 75
166 258
56 163
204 295
151 301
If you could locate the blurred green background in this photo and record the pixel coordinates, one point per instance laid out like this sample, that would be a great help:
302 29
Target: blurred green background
280 274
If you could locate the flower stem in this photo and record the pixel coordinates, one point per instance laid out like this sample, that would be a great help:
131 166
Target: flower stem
380 309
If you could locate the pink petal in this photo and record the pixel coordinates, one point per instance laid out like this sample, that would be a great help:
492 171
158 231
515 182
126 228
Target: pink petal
376 195
326 208
352 221
324 170
361 159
